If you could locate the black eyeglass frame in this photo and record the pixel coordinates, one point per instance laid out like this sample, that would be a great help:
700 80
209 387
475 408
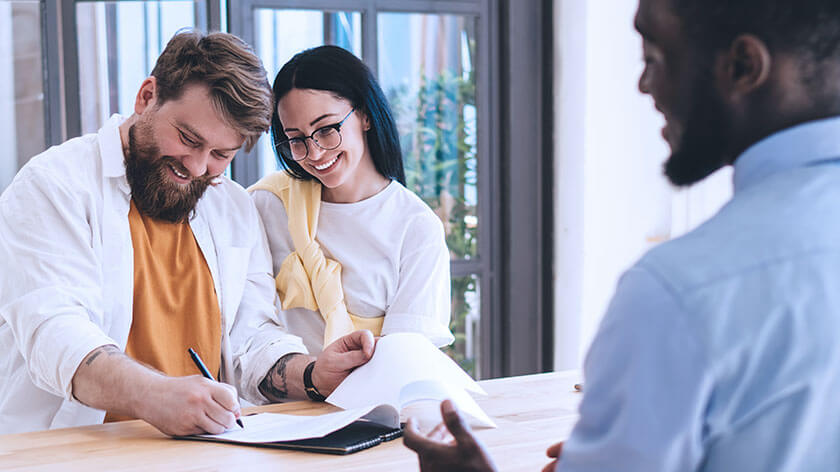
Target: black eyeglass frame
335 126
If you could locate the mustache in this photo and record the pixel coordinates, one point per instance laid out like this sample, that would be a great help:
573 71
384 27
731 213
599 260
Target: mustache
181 169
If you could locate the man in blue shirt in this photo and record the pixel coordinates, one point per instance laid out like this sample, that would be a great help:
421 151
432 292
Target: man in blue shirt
718 351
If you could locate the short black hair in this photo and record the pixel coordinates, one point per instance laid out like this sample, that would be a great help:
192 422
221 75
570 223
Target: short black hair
805 27
336 70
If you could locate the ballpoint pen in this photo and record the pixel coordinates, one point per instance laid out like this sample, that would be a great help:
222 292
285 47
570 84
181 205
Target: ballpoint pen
206 373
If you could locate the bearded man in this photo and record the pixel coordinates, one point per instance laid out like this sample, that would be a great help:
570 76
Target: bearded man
719 349
124 248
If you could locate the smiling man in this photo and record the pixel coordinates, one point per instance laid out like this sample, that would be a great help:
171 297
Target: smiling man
124 248
719 350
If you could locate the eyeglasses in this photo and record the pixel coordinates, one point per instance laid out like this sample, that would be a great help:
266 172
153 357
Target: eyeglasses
326 138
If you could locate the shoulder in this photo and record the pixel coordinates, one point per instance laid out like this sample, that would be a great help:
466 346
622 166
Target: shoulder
270 208
420 222
275 183
72 167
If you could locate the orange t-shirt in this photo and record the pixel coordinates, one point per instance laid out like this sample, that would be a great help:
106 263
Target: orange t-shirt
175 304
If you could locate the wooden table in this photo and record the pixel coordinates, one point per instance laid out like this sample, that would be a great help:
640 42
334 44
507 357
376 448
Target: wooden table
532 412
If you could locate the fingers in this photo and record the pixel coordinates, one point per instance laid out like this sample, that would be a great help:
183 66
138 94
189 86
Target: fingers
554 450
417 442
361 340
226 396
550 467
460 431
350 351
223 417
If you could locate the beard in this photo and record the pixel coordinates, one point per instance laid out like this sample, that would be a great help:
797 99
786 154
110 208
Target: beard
702 147
152 189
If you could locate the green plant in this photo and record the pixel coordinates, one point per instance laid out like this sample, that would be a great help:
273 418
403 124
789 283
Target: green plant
438 137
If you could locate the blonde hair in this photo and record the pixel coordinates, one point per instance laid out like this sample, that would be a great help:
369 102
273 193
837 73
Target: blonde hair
237 80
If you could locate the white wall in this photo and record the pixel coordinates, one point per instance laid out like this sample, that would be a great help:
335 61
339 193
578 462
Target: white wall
612 201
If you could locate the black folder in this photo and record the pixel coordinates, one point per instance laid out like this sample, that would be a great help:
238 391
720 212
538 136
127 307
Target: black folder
359 435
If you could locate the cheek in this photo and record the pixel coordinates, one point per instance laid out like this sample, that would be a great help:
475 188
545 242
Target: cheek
354 142
217 167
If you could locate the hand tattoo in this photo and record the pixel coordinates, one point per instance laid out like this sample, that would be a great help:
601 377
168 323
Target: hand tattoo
273 385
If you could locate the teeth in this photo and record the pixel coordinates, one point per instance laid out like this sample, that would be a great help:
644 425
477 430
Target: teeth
179 174
326 164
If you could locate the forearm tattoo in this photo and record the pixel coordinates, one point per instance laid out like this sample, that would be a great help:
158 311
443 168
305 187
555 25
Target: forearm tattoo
273 385
110 349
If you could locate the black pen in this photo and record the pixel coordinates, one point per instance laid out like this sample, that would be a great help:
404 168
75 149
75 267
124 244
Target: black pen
206 374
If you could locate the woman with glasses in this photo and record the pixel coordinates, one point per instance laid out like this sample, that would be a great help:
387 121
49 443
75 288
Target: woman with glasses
351 247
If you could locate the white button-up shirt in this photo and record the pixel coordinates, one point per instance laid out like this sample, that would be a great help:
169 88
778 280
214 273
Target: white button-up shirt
67 279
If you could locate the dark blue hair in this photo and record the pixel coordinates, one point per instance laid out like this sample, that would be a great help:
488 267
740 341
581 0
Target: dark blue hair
336 70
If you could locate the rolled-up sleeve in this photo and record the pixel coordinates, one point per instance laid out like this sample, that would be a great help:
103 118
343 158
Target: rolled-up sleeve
50 288
642 409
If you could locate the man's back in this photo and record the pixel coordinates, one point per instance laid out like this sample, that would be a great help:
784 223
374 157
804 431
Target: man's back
719 351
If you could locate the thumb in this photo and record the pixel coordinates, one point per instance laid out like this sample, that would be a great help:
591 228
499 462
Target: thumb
460 430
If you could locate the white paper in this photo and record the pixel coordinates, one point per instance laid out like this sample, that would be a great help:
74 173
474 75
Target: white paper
275 427
406 368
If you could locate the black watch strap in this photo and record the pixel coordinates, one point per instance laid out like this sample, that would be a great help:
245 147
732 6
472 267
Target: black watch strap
311 391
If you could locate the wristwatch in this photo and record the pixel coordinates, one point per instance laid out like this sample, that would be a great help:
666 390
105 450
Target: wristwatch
311 391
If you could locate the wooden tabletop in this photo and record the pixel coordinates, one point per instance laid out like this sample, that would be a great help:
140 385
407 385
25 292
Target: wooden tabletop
532 412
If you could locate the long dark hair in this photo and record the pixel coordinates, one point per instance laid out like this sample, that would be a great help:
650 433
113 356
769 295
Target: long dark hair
333 69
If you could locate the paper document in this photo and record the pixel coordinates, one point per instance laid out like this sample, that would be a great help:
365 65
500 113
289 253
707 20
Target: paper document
275 427
407 368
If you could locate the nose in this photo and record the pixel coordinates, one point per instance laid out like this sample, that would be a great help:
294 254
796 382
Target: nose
644 85
315 153
196 162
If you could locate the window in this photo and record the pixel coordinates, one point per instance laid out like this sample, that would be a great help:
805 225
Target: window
118 44
21 87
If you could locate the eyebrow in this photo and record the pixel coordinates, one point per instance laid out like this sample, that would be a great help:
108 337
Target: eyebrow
312 123
198 135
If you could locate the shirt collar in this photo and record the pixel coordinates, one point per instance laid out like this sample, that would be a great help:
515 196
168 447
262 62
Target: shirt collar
798 146
110 147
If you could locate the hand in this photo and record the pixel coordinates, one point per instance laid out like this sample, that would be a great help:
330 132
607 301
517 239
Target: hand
554 452
437 453
179 406
340 358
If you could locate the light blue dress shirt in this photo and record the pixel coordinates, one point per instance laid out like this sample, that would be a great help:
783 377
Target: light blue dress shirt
720 350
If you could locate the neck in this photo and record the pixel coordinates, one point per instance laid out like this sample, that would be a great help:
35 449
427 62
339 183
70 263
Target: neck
124 127
355 191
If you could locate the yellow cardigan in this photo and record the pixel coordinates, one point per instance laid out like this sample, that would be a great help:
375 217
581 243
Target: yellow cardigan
307 279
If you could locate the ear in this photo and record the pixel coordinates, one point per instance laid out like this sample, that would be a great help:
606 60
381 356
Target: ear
146 96
746 68
365 119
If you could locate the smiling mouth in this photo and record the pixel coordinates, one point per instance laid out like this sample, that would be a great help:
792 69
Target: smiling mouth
178 173
326 165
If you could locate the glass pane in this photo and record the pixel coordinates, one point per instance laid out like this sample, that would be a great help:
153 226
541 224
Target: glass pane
466 310
21 86
119 43
427 70
280 34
